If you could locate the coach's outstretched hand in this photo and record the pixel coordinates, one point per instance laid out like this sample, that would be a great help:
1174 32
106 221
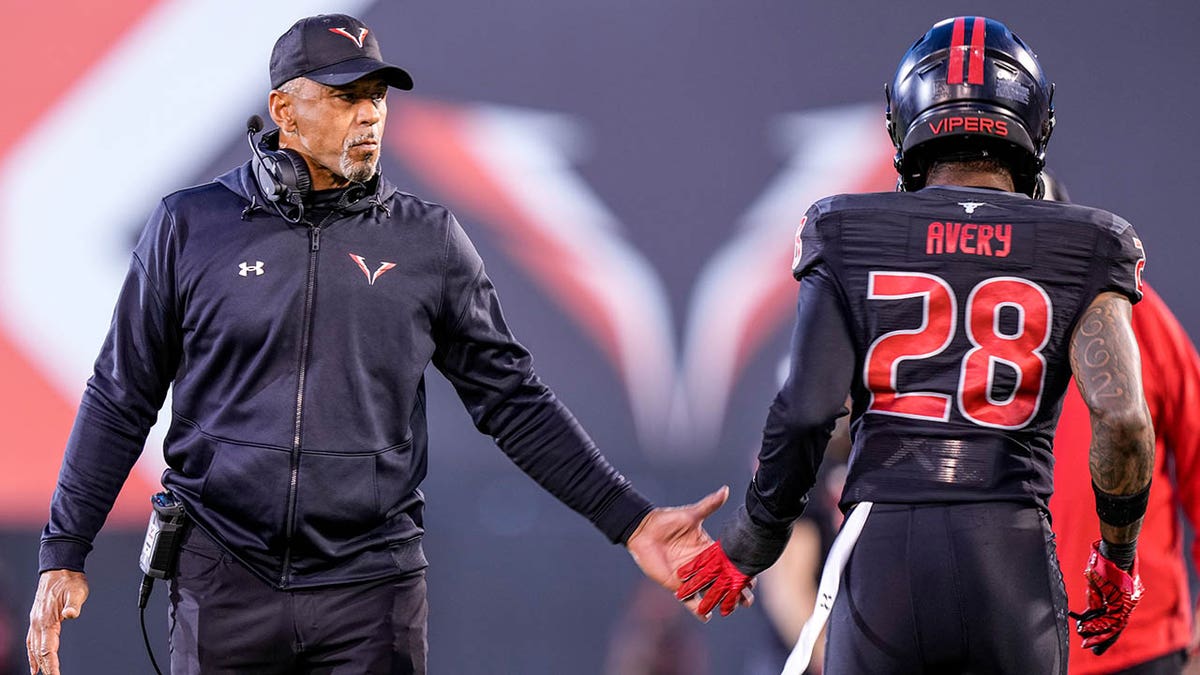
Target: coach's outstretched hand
669 537
60 595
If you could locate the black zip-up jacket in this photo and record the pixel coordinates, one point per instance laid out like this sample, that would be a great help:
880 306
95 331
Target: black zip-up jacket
297 354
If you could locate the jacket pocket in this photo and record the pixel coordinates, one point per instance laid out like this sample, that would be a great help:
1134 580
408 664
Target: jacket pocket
339 493
246 490
396 480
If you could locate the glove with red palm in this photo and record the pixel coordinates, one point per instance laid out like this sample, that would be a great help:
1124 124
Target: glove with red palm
1112 595
712 572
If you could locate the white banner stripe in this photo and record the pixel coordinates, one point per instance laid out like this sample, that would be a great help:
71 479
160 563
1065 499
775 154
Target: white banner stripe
161 105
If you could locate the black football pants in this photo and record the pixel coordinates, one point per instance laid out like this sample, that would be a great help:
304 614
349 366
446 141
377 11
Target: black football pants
940 588
225 620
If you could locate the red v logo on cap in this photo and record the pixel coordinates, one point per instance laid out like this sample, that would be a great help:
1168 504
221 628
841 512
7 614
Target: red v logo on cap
362 33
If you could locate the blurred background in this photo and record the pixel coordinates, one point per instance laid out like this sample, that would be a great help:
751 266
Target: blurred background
632 173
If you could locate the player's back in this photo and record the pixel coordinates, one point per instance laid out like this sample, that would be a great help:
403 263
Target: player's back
962 303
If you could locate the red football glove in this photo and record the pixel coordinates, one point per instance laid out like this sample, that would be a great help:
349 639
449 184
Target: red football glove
1112 595
712 566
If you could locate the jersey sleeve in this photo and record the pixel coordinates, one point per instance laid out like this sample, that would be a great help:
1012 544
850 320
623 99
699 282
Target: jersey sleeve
798 427
809 245
1125 260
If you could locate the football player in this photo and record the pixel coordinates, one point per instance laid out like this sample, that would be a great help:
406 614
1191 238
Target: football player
955 312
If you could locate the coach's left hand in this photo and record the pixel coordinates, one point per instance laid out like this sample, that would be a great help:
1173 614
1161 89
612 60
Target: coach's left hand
60 595
669 537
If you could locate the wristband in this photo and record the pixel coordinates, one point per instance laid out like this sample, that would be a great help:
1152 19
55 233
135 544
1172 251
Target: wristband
1121 510
1121 555
751 547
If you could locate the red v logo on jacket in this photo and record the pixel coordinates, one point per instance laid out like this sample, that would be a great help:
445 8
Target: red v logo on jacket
371 276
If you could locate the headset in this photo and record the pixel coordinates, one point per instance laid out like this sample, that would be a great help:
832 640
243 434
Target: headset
282 175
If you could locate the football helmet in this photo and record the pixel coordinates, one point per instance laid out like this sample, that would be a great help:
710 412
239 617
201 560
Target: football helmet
970 88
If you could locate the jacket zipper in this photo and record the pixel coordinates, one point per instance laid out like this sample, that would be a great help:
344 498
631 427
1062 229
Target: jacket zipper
305 335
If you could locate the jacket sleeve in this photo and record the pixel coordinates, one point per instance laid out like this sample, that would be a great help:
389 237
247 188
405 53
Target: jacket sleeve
120 403
798 426
1170 361
493 375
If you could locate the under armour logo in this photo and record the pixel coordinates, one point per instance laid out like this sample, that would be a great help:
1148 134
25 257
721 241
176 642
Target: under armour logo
826 601
970 207
362 265
245 269
362 33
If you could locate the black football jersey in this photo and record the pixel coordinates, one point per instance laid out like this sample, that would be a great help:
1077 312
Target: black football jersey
961 304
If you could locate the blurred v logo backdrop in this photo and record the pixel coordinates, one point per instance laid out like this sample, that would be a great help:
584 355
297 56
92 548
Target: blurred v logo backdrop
129 111
513 170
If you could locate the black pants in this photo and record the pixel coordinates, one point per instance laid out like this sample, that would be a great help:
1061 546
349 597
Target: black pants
225 620
963 588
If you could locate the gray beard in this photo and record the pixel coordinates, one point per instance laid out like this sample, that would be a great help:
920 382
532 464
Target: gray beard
358 171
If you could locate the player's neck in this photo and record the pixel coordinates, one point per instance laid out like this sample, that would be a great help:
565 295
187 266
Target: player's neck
956 174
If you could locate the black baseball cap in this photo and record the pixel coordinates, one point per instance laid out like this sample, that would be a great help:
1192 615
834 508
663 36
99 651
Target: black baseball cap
333 49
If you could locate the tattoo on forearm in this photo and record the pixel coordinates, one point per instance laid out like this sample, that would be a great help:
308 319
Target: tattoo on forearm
1096 354
1107 369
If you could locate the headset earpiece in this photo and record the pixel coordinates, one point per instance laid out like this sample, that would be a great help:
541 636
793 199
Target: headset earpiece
282 175
293 172
266 172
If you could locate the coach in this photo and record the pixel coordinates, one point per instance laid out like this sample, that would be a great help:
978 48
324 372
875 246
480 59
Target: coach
294 304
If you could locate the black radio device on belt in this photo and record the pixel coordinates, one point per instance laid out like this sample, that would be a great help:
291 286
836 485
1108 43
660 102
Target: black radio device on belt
160 551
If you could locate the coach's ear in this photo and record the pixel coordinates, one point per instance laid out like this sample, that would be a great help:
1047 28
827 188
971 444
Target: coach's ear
280 107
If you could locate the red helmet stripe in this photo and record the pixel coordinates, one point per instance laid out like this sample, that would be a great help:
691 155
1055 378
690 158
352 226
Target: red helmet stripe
955 74
975 71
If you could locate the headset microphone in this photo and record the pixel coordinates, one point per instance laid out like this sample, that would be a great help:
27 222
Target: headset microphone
281 175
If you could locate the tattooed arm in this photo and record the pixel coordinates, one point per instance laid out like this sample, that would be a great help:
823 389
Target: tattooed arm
1108 370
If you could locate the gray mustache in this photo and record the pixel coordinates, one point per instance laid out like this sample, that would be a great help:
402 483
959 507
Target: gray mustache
361 139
